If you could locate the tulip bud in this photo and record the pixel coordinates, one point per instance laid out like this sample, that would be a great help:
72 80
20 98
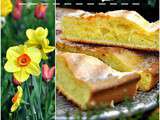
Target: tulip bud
15 82
51 73
47 73
40 11
17 12
18 5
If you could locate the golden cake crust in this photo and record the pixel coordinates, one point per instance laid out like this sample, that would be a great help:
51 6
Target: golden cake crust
153 70
100 77
108 44
132 17
125 14
93 71
146 63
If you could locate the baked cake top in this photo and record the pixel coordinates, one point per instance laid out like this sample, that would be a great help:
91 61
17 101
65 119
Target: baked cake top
132 16
93 71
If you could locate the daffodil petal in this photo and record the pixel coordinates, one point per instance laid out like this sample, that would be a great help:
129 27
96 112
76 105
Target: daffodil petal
21 75
6 7
18 96
34 54
41 33
44 56
32 42
45 42
11 66
45 46
33 68
15 106
14 52
20 91
48 49
17 99
30 34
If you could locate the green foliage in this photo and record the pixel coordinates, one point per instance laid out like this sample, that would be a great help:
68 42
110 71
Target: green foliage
154 116
13 33
38 96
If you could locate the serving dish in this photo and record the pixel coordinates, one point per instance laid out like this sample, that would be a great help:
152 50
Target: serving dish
142 102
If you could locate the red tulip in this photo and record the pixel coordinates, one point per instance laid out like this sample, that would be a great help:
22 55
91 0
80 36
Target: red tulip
17 12
40 11
47 73
18 5
15 82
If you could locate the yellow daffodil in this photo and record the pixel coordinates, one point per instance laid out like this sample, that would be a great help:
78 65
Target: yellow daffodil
38 38
6 7
17 99
23 61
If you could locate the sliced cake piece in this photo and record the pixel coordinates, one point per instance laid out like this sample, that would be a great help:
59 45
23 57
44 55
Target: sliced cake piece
116 28
149 71
121 59
89 82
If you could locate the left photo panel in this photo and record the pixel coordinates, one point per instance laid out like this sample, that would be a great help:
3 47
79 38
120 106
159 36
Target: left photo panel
27 59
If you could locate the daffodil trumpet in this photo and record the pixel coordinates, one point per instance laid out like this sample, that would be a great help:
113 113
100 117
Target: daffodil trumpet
17 99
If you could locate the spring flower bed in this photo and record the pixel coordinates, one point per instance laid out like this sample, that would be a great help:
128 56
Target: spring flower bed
27 64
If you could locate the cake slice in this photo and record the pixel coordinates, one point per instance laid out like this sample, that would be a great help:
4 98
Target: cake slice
116 28
88 82
121 59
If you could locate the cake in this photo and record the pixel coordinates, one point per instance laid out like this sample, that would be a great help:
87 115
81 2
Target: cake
149 71
88 82
121 59
115 28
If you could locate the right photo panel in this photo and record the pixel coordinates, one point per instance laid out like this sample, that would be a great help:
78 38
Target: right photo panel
107 59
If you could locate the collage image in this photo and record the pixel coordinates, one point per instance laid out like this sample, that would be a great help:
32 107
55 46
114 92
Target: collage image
79 59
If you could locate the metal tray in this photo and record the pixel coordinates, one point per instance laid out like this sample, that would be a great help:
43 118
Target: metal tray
142 102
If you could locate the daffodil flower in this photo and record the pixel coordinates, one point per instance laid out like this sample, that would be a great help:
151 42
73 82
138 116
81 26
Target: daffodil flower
38 38
23 61
6 7
17 99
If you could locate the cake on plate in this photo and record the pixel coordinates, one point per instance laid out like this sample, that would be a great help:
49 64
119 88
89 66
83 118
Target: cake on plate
124 60
115 28
89 82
